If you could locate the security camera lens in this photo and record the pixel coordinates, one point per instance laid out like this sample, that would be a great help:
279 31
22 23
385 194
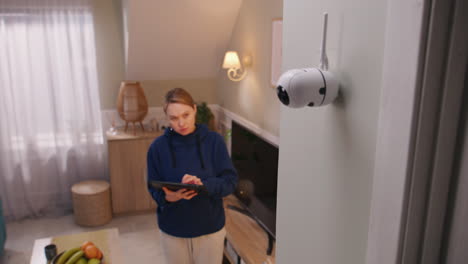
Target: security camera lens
282 95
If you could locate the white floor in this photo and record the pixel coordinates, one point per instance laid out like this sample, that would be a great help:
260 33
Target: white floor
139 237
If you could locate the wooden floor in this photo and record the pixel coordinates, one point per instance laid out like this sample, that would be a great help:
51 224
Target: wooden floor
247 238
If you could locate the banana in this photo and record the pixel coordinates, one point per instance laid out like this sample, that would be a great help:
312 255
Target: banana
67 255
75 257
94 261
82 260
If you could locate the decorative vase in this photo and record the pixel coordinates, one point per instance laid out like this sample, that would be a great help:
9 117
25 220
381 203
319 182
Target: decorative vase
131 104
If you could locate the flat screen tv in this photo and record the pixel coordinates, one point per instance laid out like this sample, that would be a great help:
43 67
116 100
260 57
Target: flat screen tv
256 162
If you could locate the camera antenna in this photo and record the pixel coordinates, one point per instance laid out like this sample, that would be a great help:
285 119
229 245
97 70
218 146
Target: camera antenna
323 53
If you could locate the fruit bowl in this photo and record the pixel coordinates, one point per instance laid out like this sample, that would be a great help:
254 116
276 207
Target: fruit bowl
55 259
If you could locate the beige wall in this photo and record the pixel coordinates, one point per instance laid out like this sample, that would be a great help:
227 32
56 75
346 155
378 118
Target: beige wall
111 65
202 90
109 50
183 39
253 98
327 154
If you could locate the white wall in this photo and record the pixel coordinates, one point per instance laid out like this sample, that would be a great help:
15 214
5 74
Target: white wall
327 154
253 98
109 50
183 39
111 46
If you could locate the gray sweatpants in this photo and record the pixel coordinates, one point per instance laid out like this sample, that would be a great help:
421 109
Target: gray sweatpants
207 249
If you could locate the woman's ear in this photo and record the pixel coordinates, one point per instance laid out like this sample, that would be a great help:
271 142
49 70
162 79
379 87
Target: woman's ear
195 108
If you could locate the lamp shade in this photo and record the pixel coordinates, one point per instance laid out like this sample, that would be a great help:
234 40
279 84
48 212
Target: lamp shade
131 103
231 60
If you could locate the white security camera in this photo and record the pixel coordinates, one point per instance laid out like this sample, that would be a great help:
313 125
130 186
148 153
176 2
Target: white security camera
306 87
309 86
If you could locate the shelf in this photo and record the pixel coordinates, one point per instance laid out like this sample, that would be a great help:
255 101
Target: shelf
120 134
226 254
247 238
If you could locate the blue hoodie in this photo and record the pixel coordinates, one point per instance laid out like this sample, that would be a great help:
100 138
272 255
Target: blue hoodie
203 154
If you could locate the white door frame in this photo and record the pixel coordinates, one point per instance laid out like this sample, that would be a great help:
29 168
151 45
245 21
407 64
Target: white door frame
443 83
399 87
417 123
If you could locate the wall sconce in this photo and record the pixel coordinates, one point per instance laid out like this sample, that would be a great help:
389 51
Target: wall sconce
236 72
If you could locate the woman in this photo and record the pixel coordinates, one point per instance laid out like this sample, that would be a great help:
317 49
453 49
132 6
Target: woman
191 224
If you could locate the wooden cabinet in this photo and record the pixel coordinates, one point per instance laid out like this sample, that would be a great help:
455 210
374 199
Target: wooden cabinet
247 238
127 167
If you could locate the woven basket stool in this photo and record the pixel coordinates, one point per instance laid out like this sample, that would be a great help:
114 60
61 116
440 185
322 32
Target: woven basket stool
92 203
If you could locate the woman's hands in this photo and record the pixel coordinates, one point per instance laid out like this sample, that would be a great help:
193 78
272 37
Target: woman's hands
174 196
190 179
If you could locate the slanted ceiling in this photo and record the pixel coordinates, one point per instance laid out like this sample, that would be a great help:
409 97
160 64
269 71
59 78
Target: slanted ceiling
177 39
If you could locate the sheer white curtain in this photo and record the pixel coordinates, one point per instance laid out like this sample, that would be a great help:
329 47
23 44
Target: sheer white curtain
50 124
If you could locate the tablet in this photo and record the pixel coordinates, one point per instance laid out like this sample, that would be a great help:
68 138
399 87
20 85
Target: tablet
174 186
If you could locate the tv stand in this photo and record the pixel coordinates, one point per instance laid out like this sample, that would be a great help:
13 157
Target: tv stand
249 214
246 236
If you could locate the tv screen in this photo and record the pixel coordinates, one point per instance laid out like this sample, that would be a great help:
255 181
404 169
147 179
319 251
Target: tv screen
256 162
